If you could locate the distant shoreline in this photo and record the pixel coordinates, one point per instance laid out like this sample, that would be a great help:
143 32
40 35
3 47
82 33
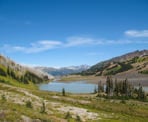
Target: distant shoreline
135 80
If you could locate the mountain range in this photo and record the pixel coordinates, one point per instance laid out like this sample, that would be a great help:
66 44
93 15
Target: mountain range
133 62
63 70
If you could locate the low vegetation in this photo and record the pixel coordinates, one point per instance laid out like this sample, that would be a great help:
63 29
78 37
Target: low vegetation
116 65
117 101
32 104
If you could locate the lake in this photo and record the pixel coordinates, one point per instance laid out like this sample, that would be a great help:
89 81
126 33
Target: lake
72 87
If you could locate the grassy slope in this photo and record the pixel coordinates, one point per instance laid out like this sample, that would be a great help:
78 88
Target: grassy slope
108 110
103 68
13 82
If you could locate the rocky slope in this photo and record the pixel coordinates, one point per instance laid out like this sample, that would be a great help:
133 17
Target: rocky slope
9 70
134 62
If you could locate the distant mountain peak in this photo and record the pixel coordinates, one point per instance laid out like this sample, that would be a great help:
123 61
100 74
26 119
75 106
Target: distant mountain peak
63 70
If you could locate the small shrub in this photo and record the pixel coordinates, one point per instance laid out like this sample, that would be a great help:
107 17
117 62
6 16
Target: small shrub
3 97
28 104
123 101
68 115
78 119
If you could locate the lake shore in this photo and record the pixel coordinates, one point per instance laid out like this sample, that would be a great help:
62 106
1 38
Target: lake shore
134 79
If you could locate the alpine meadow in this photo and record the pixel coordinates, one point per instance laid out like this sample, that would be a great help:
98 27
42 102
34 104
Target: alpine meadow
73 60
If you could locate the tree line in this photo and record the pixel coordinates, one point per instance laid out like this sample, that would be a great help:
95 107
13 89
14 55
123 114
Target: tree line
23 78
120 89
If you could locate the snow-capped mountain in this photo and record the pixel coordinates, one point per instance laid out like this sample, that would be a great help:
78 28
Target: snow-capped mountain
63 70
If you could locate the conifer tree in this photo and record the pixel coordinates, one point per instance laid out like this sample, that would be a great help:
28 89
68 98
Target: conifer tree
8 71
63 92
116 89
108 85
95 90
141 93
100 87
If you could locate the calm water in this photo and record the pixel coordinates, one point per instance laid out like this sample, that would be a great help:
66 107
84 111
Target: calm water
72 87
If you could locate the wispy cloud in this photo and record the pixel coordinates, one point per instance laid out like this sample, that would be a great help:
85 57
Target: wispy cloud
119 42
74 41
77 41
36 47
137 33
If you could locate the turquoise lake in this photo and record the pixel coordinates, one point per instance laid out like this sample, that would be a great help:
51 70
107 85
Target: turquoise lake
72 87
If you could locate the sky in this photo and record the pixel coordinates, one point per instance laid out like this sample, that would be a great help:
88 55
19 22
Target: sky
59 33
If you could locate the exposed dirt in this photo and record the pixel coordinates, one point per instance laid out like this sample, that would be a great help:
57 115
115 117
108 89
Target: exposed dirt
22 95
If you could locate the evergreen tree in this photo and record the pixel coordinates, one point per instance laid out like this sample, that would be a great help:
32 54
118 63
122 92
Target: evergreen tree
141 93
100 87
12 74
63 92
95 90
125 87
111 87
8 71
107 85
116 89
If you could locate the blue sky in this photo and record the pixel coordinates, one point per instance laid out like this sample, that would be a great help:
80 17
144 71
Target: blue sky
59 33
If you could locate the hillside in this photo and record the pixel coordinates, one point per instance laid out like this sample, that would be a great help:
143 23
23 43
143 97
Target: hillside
134 62
11 73
25 104
63 70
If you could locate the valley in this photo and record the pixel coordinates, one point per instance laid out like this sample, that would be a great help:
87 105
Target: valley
22 100
73 60
72 107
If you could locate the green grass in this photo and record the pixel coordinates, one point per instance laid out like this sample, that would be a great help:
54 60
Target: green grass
142 59
132 109
109 109
144 72
13 82
13 112
114 70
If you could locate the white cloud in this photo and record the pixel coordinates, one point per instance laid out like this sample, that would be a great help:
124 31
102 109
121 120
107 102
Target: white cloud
39 46
83 41
42 46
137 33
77 41
45 45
